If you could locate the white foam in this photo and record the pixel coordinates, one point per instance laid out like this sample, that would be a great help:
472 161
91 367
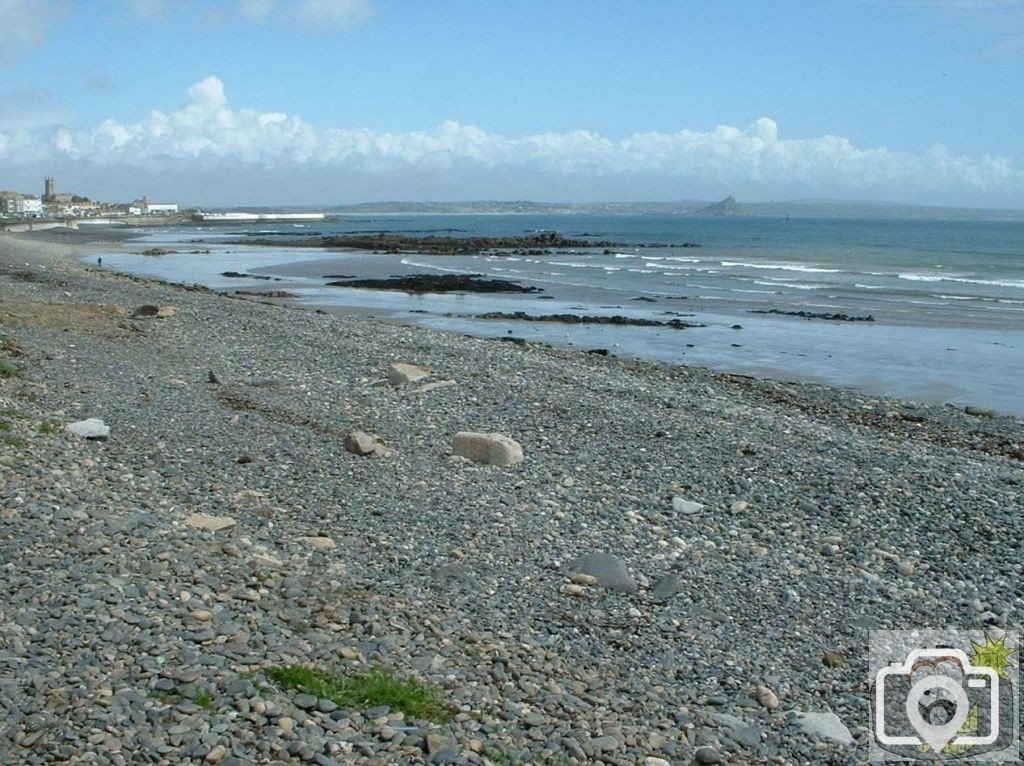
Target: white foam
1014 283
804 286
782 267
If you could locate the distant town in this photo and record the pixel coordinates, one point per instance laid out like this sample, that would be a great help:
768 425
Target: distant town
55 204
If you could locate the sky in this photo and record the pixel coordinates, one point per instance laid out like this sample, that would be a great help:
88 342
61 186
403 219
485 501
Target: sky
322 102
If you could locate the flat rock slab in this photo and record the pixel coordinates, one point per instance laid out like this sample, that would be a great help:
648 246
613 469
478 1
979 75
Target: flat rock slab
826 726
494 449
211 523
91 428
433 386
666 587
400 373
608 570
318 543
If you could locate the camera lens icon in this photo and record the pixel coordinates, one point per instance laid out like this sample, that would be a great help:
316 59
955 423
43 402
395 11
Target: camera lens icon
934 693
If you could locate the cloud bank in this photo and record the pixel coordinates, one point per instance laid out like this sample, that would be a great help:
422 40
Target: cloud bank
208 132
25 23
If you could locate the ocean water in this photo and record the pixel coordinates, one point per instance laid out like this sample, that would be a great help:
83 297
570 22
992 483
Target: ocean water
946 297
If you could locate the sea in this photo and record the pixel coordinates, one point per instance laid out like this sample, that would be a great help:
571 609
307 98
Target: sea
945 297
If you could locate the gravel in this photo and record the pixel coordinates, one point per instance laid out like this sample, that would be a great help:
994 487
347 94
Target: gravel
129 635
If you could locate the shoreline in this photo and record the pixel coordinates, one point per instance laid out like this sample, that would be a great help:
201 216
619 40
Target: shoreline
871 360
825 512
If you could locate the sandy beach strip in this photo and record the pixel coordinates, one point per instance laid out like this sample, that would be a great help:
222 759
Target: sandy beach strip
747 529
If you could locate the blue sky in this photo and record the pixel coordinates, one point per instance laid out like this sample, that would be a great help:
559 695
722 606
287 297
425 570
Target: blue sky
329 101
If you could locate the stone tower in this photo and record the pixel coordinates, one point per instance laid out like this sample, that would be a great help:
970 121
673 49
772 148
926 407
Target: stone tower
49 188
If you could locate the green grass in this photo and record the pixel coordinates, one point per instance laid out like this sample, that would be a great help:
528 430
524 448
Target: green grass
6 437
204 700
363 690
46 427
7 369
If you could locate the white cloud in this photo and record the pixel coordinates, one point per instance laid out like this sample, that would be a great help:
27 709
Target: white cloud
207 132
23 24
320 14
256 10
336 13
148 9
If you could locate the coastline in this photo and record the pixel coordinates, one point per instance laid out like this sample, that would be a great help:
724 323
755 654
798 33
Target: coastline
449 572
914 352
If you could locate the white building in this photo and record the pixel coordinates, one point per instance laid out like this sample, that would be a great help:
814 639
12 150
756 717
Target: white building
30 207
145 207
20 205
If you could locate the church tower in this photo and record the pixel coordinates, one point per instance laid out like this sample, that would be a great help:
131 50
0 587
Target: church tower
48 194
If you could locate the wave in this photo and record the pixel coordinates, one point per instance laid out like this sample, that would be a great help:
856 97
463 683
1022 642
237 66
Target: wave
795 286
782 267
1014 283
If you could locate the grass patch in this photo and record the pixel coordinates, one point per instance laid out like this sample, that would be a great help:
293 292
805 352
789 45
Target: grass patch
7 369
204 700
6 437
362 690
46 427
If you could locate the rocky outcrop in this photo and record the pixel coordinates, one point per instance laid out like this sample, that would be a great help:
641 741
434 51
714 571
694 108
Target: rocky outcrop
616 319
438 283
816 315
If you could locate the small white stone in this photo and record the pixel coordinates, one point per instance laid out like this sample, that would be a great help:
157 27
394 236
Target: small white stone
739 506
679 505
91 428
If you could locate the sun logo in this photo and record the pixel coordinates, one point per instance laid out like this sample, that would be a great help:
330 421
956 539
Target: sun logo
992 654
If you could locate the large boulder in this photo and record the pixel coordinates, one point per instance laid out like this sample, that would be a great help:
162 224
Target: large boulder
494 449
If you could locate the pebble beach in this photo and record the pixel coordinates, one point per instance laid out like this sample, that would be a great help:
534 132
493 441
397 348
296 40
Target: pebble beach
683 568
